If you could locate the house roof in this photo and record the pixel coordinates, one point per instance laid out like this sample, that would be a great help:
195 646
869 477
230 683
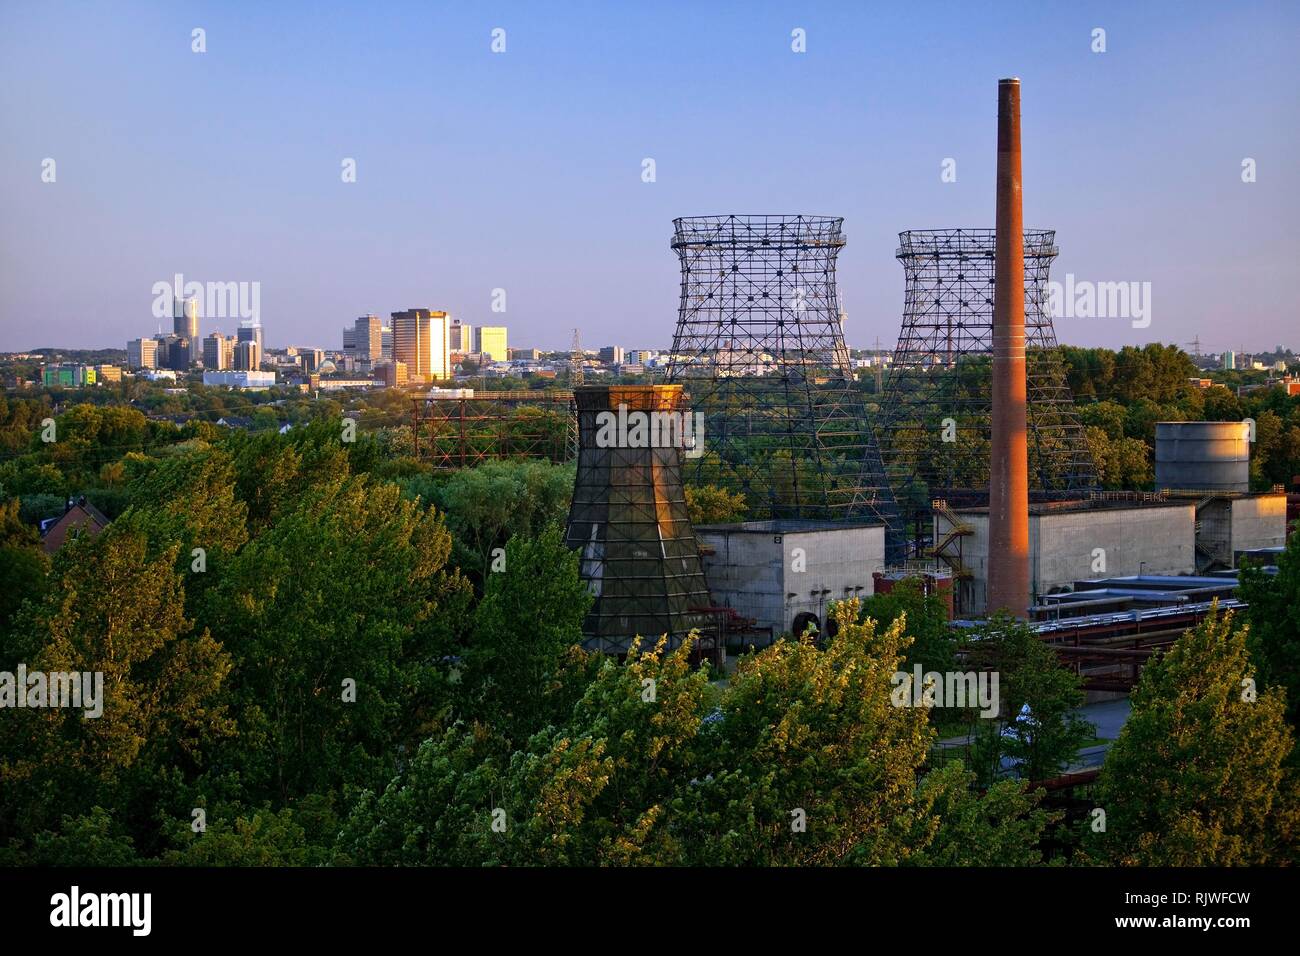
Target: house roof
81 518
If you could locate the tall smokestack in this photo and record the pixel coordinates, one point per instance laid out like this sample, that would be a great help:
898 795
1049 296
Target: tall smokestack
1009 469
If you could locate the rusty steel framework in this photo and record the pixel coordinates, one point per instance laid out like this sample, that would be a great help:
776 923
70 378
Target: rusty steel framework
760 348
936 422
457 431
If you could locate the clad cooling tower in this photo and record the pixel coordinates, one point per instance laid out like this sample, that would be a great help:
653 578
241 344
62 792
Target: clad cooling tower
629 518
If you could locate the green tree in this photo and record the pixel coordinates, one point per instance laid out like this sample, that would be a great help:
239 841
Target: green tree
809 762
341 618
1274 615
518 669
1038 731
1002 826
1198 775
115 609
926 619
709 504
488 504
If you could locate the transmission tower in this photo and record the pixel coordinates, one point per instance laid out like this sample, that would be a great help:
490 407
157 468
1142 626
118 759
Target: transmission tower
576 361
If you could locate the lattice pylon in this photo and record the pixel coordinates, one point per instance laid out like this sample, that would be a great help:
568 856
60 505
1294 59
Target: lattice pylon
760 349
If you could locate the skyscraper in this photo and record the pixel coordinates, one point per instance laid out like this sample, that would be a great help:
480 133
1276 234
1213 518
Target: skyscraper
250 330
185 325
421 341
368 338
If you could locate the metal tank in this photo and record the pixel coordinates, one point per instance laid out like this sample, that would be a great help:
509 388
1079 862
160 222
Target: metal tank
1203 456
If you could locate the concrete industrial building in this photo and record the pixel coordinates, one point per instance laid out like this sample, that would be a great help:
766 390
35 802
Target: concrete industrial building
785 573
1115 534
1069 540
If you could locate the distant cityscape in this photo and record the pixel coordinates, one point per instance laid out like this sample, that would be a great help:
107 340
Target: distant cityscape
416 347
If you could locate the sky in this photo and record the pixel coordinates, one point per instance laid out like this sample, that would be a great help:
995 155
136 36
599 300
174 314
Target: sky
523 170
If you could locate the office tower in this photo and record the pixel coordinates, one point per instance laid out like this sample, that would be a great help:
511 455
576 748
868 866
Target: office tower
1230 360
185 324
386 343
350 342
461 336
368 339
248 355
250 330
142 353
612 355
490 340
173 352
218 351
421 341
311 359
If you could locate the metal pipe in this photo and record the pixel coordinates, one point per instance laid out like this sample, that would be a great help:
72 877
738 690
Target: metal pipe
1008 581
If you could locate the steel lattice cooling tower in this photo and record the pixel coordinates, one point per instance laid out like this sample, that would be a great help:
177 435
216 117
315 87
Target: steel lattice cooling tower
936 424
760 348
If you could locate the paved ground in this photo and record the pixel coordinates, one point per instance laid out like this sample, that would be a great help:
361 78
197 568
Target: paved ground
1108 717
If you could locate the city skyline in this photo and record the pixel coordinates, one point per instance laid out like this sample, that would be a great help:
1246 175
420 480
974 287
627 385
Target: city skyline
498 173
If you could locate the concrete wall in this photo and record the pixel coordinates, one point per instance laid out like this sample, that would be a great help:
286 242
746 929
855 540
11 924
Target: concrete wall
1140 540
753 568
1258 521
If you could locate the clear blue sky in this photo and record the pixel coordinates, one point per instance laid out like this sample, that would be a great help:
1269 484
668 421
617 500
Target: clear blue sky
522 170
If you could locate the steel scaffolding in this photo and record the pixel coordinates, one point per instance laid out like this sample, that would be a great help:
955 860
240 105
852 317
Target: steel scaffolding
460 431
760 348
935 424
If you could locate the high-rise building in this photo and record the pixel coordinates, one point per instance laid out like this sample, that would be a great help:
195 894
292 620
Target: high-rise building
250 330
218 351
185 325
490 340
368 339
386 343
173 352
612 355
461 336
248 355
1229 360
142 353
420 340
